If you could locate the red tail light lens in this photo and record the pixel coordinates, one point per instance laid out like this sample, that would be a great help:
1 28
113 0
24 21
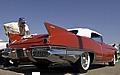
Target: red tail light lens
45 40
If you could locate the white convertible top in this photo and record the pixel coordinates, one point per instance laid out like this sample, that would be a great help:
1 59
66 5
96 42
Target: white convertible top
84 32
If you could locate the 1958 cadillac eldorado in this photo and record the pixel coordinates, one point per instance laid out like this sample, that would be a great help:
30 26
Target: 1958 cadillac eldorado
79 47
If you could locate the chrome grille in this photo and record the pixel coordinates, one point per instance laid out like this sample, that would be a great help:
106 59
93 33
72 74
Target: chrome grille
36 52
20 52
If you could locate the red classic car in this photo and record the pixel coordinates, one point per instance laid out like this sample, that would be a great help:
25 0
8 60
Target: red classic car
79 47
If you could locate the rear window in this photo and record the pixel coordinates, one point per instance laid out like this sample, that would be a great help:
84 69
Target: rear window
96 37
74 31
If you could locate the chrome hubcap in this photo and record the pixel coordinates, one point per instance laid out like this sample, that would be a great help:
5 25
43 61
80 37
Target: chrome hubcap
85 61
114 59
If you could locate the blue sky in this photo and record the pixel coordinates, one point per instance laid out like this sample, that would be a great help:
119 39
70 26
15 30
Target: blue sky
100 15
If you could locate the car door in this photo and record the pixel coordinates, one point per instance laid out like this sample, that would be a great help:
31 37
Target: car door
108 52
97 46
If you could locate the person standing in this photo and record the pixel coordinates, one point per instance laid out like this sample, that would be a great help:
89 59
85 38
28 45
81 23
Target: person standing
23 28
19 27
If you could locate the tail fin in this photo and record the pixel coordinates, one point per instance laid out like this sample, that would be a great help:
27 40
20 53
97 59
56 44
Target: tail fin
12 31
54 30
13 37
60 36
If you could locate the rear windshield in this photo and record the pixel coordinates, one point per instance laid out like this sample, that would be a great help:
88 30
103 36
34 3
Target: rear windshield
74 31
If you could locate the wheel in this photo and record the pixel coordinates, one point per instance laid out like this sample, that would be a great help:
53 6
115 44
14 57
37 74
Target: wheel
112 63
83 63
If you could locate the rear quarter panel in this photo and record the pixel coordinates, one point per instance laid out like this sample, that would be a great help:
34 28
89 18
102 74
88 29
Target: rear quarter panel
93 46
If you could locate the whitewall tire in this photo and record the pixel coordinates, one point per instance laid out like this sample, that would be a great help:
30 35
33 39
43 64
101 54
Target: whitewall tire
83 63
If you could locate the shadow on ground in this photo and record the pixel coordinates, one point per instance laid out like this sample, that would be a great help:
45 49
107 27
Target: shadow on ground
59 70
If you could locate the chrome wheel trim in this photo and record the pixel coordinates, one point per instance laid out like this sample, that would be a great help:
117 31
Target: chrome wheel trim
114 60
85 60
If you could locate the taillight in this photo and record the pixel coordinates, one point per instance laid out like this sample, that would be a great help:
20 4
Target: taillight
7 45
45 40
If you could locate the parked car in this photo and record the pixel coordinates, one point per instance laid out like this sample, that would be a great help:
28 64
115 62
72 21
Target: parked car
79 47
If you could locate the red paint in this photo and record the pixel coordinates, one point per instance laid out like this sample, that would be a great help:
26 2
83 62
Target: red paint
34 40
60 36
102 51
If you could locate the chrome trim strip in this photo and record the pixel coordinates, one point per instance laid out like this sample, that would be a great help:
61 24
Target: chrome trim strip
56 51
67 52
74 52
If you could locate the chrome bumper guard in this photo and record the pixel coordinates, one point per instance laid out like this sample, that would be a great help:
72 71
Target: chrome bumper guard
55 53
45 51
51 53
16 54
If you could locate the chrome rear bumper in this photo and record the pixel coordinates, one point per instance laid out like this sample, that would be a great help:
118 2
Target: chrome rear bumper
14 54
55 54
50 53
